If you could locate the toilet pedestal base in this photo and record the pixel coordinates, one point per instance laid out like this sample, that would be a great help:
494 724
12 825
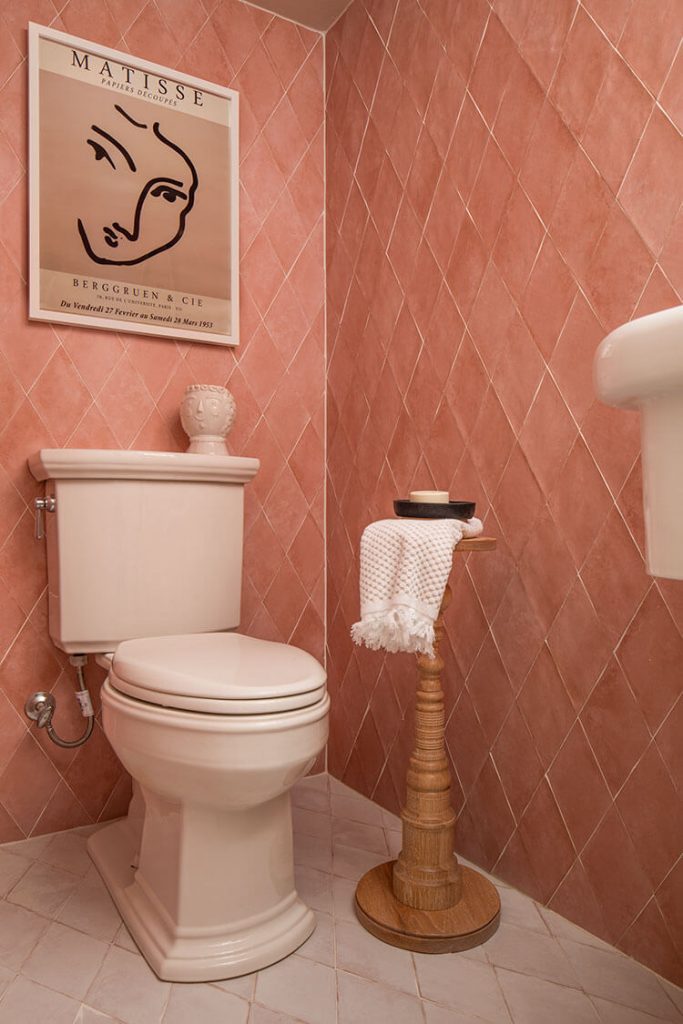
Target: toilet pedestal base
195 953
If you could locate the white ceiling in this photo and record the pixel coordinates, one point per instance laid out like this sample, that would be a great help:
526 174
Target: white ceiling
317 14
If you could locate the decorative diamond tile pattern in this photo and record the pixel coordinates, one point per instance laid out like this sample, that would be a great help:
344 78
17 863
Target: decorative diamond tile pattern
503 186
62 386
65 955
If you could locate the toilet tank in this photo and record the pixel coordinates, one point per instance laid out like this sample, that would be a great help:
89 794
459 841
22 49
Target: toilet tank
141 544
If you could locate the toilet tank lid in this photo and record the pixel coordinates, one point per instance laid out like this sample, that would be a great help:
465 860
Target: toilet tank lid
106 464
220 666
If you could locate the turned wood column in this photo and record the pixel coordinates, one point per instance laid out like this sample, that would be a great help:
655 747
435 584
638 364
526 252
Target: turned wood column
425 900
426 874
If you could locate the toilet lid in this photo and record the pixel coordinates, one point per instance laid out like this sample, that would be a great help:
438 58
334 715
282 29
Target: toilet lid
218 673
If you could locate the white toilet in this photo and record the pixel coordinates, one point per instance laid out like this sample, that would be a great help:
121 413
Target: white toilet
145 571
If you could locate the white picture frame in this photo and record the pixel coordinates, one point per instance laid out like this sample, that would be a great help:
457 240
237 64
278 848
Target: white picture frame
133 194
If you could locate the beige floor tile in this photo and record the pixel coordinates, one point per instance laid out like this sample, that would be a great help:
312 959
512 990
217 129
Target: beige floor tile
435 1014
612 976
299 987
533 1001
29 848
90 909
358 952
12 868
90 1016
561 928
463 984
320 781
313 852
65 960
674 993
44 889
20 930
262 1015
67 850
529 952
6 977
362 1001
343 895
352 863
25 1002
320 946
125 940
126 988
242 987
359 809
613 1013
360 836
311 799
521 911
314 887
205 1005
312 823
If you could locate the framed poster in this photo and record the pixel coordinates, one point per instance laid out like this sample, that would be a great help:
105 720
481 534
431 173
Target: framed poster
133 194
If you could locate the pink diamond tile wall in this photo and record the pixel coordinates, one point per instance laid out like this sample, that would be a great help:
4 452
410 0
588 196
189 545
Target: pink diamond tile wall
504 184
82 388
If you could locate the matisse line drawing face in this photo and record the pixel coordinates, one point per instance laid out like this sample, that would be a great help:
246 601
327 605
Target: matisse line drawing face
145 185
134 191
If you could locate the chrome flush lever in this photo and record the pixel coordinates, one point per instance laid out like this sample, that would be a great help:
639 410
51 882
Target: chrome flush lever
41 506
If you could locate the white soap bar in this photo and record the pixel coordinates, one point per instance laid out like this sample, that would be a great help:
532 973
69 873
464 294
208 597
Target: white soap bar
430 497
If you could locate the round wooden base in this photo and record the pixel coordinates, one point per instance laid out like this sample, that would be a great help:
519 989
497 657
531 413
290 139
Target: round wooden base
470 922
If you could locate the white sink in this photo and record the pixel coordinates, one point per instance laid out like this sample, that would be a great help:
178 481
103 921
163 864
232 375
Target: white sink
640 366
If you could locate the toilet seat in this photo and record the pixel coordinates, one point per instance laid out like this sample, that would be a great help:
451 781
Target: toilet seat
217 673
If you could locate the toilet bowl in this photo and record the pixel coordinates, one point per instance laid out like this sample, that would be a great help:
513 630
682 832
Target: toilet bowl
215 729
144 555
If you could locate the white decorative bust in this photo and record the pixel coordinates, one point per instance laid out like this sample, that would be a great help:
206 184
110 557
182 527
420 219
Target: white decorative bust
207 413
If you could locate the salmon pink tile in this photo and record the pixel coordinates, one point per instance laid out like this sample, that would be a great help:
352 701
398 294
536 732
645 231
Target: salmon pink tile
671 96
615 726
125 402
545 706
491 318
580 214
24 434
490 194
616 122
466 386
546 841
424 175
668 745
581 501
444 104
490 689
60 396
466 268
517 501
614 442
259 81
614 576
548 298
571 363
492 441
547 569
575 899
518 113
467 148
657 294
652 649
651 809
547 161
486 823
580 665
649 40
578 786
492 69
548 435
466 742
653 944
23 574
518 242
580 72
464 30
517 762
651 192
28 782
517 632
610 15
518 373
543 40
94 772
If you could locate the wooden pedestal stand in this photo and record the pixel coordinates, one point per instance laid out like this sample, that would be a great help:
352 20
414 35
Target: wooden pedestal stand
426 900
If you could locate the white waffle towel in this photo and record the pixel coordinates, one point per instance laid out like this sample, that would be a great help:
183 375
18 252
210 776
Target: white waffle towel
404 568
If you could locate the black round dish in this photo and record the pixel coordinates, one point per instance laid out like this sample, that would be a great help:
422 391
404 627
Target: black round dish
431 510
